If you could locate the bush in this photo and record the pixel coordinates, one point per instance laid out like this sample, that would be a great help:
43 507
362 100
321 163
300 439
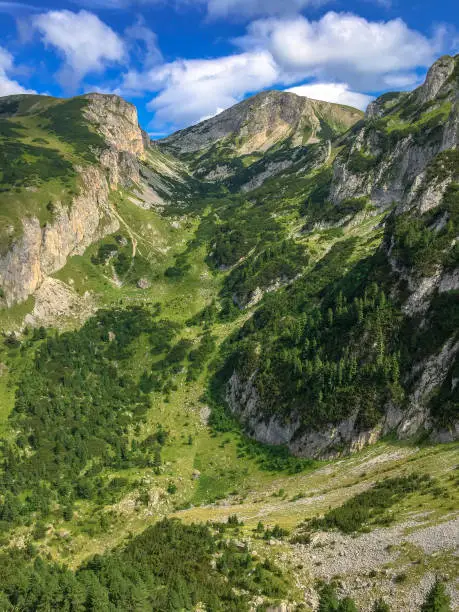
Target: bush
360 163
437 599
370 506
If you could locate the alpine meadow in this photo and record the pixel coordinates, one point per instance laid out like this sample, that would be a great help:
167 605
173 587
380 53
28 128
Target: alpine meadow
229 375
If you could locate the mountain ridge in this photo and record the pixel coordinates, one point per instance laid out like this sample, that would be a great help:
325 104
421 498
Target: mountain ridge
262 121
190 341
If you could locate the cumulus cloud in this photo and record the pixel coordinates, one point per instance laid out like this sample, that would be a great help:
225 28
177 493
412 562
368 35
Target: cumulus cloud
342 47
87 44
8 86
192 89
340 93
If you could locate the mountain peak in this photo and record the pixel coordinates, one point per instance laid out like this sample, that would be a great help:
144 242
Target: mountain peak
264 120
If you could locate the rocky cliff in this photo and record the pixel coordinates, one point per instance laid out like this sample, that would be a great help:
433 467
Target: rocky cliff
42 249
402 158
388 157
260 122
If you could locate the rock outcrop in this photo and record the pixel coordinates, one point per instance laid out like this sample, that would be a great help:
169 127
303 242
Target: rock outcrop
41 251
258 123
387 159
116 120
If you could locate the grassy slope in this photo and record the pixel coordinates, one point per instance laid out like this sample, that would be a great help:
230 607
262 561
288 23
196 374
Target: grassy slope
227 483
16 202
159 239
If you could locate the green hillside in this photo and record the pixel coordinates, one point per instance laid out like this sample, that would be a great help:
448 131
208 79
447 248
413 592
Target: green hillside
240 392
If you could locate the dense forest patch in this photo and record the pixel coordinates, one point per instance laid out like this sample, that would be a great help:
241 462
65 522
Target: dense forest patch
168 567
323 359
75 408
26 165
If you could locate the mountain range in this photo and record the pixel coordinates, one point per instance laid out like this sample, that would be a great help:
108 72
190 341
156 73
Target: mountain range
228 321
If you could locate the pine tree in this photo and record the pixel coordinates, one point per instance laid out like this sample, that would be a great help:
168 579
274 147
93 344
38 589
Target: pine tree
437 599
347 605
328 599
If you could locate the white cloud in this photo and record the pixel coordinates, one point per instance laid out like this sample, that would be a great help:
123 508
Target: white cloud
333 92
342 47
143 43
402 80
192 89
87 43
7 85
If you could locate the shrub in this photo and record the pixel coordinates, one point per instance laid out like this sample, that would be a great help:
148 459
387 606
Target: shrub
437 599
369 507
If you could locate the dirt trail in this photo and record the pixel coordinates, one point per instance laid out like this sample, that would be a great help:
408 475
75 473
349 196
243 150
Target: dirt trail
132 235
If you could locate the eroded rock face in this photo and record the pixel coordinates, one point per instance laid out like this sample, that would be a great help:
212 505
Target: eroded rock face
41 251
117 121
436 79
260 122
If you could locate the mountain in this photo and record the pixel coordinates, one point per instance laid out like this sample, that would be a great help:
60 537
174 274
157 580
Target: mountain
62 160
269 123
403 159
264 121
250 326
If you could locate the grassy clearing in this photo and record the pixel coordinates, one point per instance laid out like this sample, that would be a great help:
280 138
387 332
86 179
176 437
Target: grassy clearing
310 495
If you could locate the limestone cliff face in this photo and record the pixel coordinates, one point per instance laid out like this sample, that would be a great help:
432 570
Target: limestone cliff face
397 143
43 250
40 251
256 124
402 155
116 120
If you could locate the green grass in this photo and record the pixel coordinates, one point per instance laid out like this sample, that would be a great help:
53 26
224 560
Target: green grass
39 177
205 474
372 507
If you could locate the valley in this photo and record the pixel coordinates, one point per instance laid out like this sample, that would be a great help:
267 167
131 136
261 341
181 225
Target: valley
251 327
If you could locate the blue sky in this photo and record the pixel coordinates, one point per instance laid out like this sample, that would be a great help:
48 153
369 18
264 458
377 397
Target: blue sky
181 61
